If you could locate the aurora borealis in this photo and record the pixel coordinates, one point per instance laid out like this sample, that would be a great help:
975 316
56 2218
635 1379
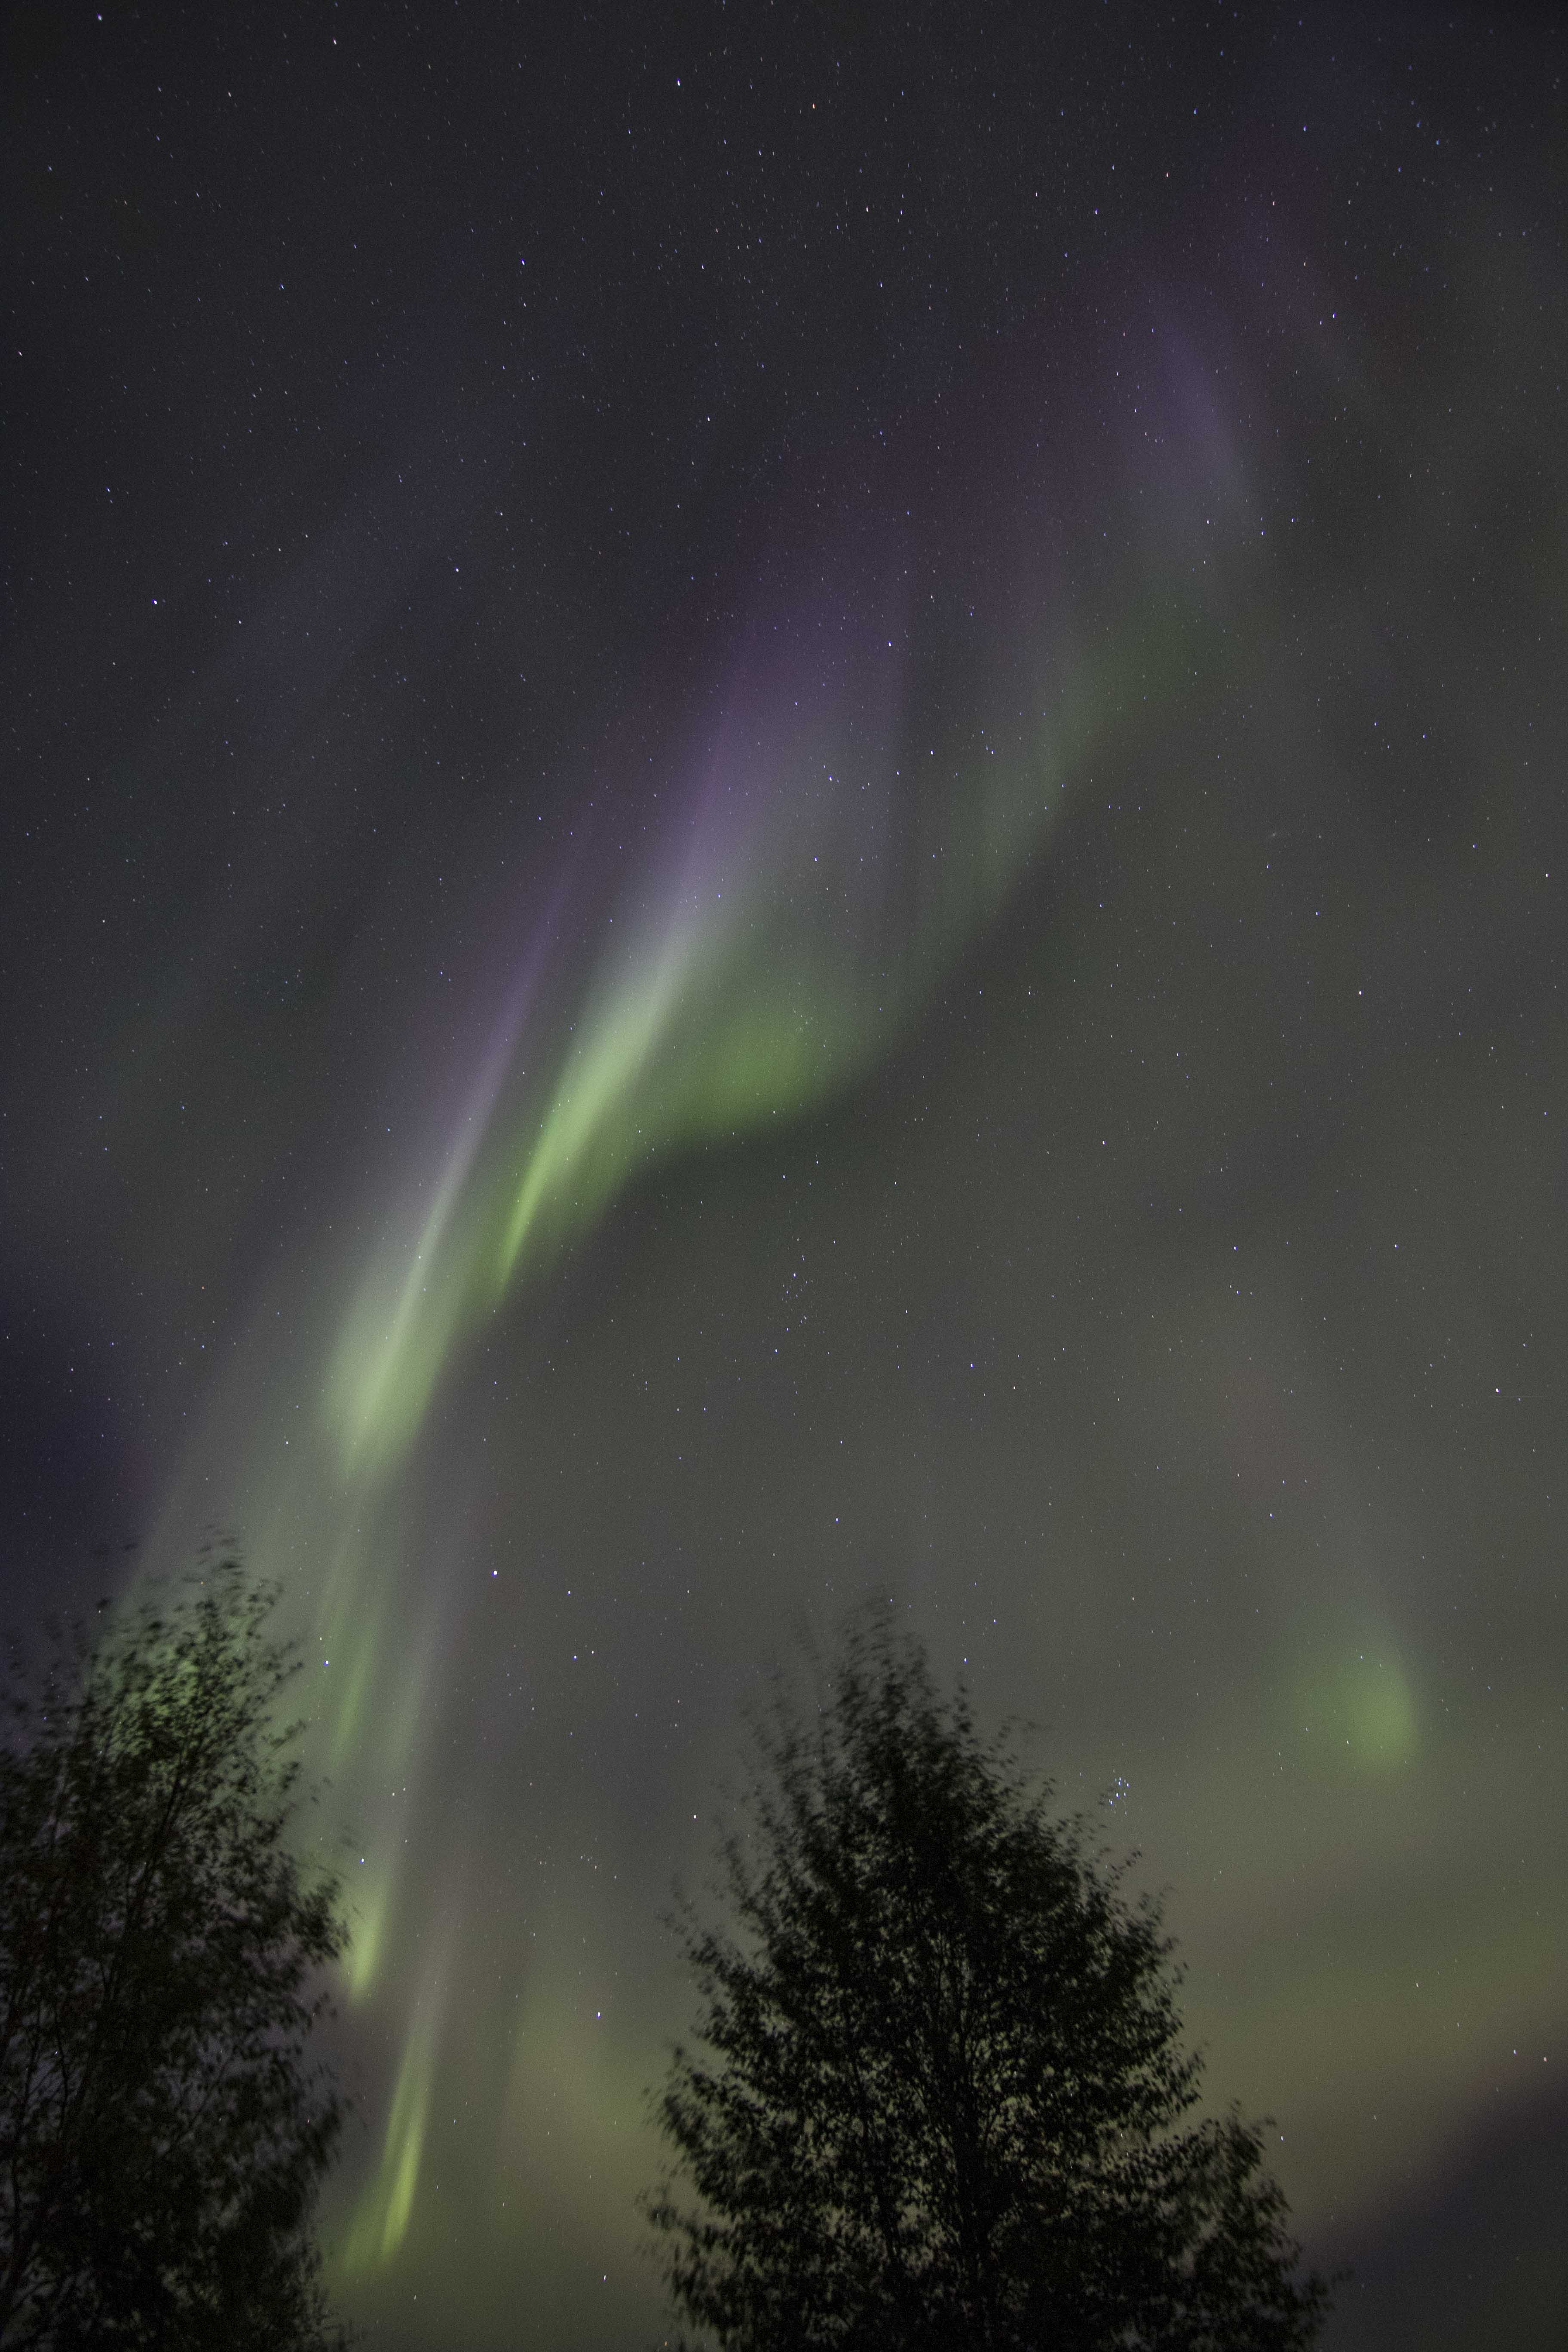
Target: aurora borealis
786 819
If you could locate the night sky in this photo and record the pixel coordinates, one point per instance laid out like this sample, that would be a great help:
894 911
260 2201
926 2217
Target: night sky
783 816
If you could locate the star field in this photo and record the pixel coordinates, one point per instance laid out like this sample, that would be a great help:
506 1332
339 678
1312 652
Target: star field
783 818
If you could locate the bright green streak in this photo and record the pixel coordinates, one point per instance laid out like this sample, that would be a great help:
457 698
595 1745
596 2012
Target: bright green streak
385 2208
761 990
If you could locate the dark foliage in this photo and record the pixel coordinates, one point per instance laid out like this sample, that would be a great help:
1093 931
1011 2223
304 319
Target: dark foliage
162 2129
940 2093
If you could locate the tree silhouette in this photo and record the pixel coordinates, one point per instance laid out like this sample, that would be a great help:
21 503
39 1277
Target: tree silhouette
163 2131
938 2094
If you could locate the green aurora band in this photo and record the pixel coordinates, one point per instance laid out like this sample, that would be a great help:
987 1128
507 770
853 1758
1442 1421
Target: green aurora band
822 860
780 963
771 975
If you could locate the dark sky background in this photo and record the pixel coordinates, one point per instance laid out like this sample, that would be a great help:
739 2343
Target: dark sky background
784 814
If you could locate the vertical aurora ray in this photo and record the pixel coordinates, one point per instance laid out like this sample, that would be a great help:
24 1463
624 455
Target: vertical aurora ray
386 2203
755 937
812 891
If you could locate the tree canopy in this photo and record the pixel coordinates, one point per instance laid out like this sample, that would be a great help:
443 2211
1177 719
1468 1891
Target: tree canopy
163 2127
937 2096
